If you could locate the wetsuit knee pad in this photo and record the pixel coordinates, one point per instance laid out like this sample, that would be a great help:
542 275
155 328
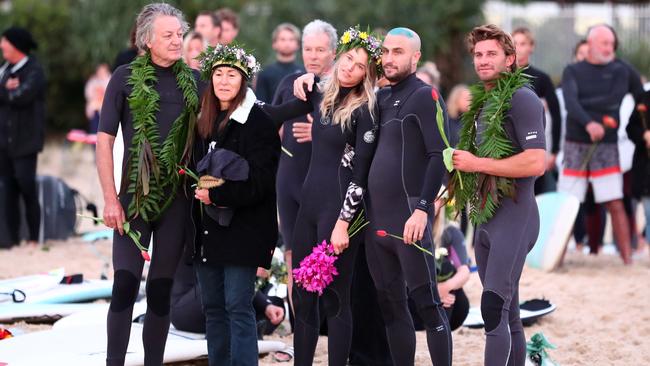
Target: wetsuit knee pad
159 295
428 308
491 309
125 290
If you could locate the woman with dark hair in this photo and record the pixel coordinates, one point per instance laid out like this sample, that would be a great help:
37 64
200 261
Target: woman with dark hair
229 251
343 143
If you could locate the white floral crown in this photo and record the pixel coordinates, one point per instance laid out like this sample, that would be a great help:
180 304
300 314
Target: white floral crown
231 55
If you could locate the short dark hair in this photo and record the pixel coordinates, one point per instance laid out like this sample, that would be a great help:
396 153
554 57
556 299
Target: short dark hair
581 42
213 17
491 31
227 15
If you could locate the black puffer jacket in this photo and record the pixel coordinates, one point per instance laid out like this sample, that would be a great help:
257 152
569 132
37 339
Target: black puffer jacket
250 238
22 110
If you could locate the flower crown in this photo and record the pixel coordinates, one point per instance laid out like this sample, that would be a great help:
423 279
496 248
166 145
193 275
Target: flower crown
230 55
355 38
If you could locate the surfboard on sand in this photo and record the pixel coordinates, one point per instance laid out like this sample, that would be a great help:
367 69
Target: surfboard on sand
87 290
29 285
557 214
42 313
530 311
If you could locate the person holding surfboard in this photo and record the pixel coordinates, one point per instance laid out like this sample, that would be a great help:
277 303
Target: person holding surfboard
500 154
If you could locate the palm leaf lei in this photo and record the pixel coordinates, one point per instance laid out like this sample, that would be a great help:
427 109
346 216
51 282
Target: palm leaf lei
483 192
152 166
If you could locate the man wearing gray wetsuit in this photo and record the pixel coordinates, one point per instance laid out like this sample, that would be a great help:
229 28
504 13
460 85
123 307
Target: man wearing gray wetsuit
501 244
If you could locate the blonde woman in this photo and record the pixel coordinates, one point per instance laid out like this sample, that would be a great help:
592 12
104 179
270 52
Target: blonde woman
343 142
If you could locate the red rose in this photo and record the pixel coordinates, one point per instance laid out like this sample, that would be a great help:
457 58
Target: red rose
145 255
382 233
609 122
181 171
434 94
642 108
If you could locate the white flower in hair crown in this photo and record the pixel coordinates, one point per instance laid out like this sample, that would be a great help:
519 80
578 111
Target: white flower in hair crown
355 38
228 55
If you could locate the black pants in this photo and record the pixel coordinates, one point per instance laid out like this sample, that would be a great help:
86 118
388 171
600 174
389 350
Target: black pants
18 178
168 242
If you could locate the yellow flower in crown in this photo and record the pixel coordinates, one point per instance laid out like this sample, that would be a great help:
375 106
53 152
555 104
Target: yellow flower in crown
346 38
363 35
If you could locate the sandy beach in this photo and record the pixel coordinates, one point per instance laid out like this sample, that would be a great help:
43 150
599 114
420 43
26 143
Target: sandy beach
602 315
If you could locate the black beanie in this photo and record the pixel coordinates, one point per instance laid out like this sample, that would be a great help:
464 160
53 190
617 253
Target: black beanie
20 38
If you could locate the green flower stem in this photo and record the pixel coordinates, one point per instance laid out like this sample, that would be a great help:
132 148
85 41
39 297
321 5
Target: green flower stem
133 234
589 155
189 172
412 243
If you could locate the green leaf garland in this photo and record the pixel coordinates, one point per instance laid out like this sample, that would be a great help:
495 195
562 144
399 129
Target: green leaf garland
152 175
483 192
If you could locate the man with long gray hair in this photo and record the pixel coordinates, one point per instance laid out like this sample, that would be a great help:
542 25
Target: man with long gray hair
154 99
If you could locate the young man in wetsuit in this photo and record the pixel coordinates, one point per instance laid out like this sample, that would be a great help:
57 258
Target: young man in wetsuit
286 43
544 88
404 177
501 244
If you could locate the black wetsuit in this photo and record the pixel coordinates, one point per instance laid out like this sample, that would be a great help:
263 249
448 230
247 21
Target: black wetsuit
333 189
294 162
501 244
453 240
405 175
269 79
543 87
168 230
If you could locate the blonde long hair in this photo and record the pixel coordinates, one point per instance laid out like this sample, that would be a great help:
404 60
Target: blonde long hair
361 94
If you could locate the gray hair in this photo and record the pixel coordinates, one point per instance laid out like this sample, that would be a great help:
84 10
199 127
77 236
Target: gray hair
144 23
318 26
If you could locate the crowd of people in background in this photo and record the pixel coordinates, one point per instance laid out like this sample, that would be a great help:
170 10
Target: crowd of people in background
319 129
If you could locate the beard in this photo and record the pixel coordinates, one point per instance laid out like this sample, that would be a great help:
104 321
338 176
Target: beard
399 75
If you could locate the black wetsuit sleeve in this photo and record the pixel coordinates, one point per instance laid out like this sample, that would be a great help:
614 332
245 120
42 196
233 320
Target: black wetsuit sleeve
571 101
634 81
260 302
554 110
425 109
262 155
364 149
290 109
114 100
527 113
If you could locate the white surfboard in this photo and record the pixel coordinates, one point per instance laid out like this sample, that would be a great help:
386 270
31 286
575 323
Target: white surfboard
475 319
30 285
557 214
45 313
